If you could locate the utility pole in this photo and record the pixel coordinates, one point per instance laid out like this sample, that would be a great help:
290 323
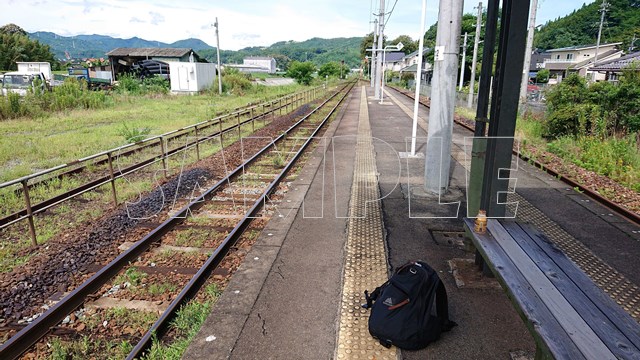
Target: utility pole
464 55
218 51
416 101
603 10
476 41
443 93
527 52
373 53
380 47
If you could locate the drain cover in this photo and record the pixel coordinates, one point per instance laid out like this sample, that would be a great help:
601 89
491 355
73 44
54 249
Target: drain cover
449 238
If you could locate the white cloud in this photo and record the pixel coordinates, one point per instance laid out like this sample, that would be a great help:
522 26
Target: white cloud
242 22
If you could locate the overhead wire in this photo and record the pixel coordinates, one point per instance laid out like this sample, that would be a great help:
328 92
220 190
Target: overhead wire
390 12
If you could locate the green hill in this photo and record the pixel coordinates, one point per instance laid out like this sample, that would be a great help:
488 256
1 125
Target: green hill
316 50
581 26
95 46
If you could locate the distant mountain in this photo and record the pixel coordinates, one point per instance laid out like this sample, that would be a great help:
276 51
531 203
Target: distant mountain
622 24
96 46
316 50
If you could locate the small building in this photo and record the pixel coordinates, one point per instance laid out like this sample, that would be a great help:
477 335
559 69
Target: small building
191 77
122 59
410 65
537 62
613 68
393 61
578 59
256 64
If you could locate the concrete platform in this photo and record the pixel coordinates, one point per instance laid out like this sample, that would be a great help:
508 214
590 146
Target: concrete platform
287 301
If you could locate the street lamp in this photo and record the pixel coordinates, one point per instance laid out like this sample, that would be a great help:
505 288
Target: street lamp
396 47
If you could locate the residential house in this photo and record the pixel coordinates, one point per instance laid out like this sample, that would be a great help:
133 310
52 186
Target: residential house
613 68
578 59
410 63
393 61
537 63
258 64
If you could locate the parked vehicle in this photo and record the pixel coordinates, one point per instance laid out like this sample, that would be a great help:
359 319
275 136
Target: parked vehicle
92 83
35 67
20 83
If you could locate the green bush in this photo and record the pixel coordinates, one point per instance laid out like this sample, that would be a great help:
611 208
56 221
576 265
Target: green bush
128 84
132 134
235 83
602 109
155 85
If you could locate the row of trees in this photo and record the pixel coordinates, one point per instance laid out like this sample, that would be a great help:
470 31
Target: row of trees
303 71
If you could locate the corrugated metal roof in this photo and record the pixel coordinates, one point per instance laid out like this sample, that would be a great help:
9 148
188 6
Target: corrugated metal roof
618 64
143 52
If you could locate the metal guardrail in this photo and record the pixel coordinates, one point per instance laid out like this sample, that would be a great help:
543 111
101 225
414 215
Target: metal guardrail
161 141
25 338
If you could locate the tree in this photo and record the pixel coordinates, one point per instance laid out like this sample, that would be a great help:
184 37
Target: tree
410 45
15 45
302 72
367 43
12 29
333 69
543 76
329 69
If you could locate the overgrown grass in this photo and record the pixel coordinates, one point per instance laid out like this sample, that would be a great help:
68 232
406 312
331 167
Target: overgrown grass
185 326
616 158
30 144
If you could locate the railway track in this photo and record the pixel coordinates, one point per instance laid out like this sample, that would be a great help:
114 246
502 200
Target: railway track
215 224
104 168
621 210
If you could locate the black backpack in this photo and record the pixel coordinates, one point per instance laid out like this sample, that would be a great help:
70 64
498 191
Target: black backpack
410 310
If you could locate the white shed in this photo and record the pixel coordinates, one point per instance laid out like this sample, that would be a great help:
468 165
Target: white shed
189 77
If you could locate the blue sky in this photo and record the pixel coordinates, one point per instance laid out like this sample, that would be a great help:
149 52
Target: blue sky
242 22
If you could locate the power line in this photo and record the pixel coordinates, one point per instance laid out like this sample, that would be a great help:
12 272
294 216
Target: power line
390 12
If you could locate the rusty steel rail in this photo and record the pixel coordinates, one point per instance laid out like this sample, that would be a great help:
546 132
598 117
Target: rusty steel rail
32 333
32 209
621 210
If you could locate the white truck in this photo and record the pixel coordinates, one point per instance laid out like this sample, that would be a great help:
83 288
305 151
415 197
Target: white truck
28 72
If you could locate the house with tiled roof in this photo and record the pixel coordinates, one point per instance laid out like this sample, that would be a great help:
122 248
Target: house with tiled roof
613 68
578 59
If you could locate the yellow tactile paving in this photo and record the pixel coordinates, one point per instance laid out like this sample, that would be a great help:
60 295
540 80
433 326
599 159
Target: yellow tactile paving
366 260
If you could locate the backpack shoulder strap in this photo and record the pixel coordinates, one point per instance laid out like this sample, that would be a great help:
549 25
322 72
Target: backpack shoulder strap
371 298
442 307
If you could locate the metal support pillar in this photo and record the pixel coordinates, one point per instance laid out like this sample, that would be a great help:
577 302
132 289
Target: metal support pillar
504 106
27 201
112 179
479 148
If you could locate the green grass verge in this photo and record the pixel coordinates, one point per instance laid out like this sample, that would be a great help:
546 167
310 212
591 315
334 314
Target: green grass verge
28 145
